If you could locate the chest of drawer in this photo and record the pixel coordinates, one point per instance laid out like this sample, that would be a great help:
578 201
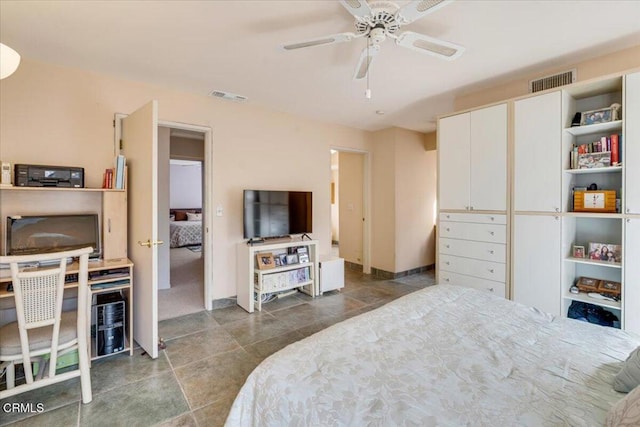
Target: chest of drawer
472 267
492 233
495 252
475 218
496 288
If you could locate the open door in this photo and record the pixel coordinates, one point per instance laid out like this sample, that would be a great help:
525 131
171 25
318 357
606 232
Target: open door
140 146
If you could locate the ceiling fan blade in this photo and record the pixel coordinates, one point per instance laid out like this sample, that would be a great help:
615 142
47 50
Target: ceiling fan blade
335 38
358 8
430 45
366 58
416 9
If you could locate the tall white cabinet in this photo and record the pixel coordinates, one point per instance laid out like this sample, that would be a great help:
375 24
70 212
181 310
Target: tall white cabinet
473 160
472 201
542 222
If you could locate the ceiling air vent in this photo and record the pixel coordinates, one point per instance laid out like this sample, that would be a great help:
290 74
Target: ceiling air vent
227 95
549 82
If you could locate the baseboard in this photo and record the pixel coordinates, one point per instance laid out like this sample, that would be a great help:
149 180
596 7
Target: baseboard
348 265
387 275
222 303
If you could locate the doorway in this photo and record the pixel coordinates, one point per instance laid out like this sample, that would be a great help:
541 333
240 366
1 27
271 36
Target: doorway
350 226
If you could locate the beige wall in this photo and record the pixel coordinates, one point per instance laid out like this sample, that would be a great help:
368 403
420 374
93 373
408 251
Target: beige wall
63 116
335 206
404 193
187 148
415 192
596 67
351 208
383 201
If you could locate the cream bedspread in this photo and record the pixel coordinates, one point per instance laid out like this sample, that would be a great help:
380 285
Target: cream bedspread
444 355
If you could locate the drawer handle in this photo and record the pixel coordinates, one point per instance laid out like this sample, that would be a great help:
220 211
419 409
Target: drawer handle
491 218
446 280
448 216
490 289
491 251
557 209
492 233
447 262
447 246
448 229
470 208
491 270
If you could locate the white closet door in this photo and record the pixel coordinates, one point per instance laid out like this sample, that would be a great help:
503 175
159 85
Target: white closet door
536 262
631 284
538 154
453 149
631 151
489 159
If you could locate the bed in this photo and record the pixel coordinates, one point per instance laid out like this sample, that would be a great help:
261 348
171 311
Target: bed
183 229
444 355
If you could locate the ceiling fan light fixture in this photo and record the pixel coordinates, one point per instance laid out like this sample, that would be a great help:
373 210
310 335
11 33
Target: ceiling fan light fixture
9 61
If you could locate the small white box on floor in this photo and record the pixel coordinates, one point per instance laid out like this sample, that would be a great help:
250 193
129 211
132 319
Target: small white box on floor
331 273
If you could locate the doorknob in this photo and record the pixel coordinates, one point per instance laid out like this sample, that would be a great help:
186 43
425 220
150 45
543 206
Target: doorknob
148 243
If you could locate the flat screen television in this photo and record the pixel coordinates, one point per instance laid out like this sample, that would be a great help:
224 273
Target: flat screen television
27 235
277 213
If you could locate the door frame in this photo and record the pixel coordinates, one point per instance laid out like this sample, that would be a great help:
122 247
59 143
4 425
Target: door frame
207 207
366 204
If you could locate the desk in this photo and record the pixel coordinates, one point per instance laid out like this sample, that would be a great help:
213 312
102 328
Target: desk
104 276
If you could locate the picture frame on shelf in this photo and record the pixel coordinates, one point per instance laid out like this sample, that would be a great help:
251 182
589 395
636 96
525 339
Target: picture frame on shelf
276 261
588 284
265 261
282 258
602 115
292 259
605 252
303 254
578 251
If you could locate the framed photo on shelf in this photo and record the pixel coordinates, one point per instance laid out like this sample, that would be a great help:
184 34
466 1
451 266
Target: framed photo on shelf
303 254
578 251
282 258
265 261
292 259
605 252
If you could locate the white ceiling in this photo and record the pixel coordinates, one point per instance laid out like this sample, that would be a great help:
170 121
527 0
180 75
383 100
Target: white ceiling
233 46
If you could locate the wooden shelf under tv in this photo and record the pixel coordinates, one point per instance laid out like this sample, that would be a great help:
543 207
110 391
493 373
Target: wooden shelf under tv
18 188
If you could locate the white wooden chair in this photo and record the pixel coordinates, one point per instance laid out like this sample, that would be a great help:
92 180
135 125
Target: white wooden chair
42 328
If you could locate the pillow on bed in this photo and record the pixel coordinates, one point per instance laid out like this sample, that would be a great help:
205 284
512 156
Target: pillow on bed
626 412
172 217
181 215
629 376
194 216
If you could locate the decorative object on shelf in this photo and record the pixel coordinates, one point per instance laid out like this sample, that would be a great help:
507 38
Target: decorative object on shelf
574 290
588 284
292 259
577 119
282 258
610 288
265 261
578 251
605 252
594 201
603 115
5 168
303 254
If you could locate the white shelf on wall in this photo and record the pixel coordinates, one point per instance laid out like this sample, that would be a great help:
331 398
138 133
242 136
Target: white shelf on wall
610 169
597 128
586 298
594 262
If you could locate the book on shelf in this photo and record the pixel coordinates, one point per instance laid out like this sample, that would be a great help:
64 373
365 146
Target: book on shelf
107 178
120 164
602 153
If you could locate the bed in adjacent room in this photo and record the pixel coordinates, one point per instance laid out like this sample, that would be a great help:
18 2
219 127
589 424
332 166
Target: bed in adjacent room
445 355
185 227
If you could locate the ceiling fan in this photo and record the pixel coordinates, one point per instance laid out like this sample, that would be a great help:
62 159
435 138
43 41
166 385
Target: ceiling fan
380 20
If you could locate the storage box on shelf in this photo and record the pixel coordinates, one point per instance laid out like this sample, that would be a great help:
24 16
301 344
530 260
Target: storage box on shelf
253 282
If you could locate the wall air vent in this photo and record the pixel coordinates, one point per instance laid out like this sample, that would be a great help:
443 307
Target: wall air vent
227 95
549 82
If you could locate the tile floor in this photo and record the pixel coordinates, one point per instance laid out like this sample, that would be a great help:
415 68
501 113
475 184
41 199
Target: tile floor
207 359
